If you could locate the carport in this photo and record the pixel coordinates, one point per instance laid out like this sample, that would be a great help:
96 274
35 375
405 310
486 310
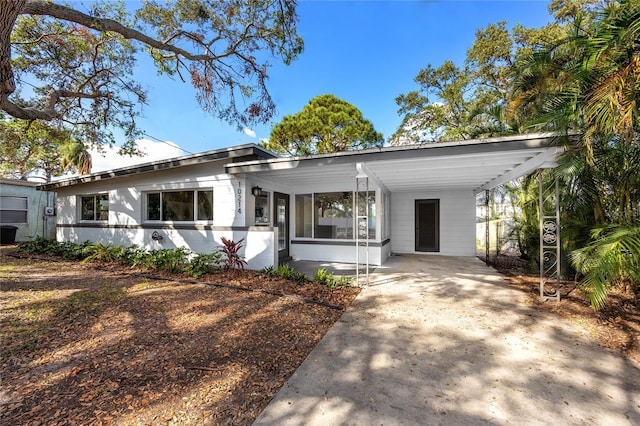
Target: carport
425 197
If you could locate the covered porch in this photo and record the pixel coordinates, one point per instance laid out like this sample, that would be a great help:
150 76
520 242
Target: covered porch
360 207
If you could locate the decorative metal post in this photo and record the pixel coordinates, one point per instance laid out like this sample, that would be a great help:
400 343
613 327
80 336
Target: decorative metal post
549 211
362 223
487 234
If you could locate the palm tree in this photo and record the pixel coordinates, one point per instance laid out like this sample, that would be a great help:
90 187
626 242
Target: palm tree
590 82
74 155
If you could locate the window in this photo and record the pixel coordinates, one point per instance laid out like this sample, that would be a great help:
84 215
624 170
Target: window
334 215
94 207
262 209
13 209
180 206
331 215
205 205
304 215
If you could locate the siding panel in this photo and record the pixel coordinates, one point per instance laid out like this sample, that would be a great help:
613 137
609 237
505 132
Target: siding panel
457 221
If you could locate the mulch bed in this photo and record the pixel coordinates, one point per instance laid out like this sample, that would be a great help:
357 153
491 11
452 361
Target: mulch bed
90 344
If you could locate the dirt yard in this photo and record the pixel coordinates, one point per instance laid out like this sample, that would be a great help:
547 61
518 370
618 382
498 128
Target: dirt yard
86 344
82 344
616 326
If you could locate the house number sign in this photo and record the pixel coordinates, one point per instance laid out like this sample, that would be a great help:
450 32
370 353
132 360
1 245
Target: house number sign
239 197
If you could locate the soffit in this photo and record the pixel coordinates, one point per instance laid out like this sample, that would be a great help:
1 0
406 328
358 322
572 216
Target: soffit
471 166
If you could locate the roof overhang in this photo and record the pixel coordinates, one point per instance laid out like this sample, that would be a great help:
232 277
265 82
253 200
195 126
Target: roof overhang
474 165
235 153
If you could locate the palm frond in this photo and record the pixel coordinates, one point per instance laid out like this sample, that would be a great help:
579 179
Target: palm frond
612 257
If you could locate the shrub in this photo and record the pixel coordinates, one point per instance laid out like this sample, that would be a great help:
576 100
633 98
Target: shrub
141 258
269 271
73 251
202 264
125 255
327 278
66 250
99 252
285 272
39 245
323 277
233 260
172 260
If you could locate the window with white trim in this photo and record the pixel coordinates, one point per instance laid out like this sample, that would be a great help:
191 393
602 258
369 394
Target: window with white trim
179 206
94 207
330 215
13 209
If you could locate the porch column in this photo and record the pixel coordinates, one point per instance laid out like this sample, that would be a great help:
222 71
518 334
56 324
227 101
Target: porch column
549 221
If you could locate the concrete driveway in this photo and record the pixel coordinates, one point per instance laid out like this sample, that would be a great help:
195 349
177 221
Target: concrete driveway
441 340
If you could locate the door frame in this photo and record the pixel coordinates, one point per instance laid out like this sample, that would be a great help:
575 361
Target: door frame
418 246
283 254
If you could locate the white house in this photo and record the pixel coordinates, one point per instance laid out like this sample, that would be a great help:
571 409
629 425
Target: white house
27 209
407 199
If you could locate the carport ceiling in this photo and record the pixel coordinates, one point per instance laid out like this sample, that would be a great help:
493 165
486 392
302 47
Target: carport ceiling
474 165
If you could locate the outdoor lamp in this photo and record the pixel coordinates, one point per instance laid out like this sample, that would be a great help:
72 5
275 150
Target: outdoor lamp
256 191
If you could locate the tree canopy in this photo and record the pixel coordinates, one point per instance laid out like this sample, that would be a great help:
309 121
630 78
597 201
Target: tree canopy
326 124
74 68
30 146
472 100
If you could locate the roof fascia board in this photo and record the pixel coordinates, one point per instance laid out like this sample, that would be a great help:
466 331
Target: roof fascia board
545 159
18 182
394 153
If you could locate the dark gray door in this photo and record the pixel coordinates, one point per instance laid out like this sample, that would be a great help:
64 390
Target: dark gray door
428 225
281 215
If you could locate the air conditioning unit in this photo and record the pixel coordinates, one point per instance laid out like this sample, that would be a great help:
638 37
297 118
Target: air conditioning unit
49 211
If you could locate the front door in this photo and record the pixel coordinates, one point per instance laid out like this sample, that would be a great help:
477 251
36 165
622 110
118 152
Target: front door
281 215
428 225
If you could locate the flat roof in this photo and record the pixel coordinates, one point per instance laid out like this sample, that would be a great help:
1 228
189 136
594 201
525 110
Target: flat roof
478 163
18 182
233 153
471 164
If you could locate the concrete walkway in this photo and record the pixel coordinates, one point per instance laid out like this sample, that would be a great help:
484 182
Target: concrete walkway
441 340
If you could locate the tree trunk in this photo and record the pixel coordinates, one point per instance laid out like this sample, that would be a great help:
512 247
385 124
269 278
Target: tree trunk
9 11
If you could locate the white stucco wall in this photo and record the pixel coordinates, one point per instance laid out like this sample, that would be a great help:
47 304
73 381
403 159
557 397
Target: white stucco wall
457 221
259 243
126 195
127 224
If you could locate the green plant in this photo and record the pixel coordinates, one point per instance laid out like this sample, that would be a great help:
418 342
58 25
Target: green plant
99 252
285 272
73 251
327 278
299 277
342 281
172 260
202 263
612 257
67 249
140 258
125 255
323 276
231 250
269 271
38 245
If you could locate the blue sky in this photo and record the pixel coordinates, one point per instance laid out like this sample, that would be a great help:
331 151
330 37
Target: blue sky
365 52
